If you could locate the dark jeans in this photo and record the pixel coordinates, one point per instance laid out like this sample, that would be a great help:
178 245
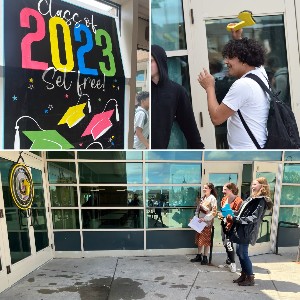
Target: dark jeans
242 253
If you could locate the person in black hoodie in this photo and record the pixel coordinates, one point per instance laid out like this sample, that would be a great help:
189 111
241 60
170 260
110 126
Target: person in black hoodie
169 100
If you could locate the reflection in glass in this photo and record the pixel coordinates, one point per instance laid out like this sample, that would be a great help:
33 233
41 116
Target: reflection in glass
65 196
270 32
107 196
110 155
173 196
60 154
112 219
120 172
61 172
291 173
65 218
292 155
289 214
290 195
162 217
242 155
173 155
38 212
167 24
173 173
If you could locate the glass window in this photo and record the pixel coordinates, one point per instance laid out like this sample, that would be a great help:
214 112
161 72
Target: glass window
111 172
291 173
110 155
105 196
169 217
60 154
65 218
173 155
61 172
292 155
65 196
289 214
112 219
174 196
176 173
270 32
290 195
178 70
167 24
243 155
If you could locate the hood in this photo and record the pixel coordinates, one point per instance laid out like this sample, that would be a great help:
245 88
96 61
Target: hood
160 56
269 202
281 71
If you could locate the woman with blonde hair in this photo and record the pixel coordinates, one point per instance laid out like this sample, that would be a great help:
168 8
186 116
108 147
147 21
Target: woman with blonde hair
246 225
206 211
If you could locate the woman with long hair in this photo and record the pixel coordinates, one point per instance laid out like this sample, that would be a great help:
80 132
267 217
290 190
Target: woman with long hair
230 191
246 225
206 211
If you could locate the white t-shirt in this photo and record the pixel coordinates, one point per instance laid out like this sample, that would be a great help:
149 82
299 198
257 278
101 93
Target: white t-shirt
140 117
247 96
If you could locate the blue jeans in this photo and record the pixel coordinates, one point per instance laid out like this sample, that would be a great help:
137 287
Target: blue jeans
242 253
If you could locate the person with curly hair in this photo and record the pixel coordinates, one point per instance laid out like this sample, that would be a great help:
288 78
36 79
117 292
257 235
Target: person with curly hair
242 56
246 224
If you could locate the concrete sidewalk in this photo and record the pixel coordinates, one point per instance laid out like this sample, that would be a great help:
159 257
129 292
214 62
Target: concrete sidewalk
157 277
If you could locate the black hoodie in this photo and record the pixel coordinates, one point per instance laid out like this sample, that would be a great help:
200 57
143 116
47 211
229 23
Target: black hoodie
170 100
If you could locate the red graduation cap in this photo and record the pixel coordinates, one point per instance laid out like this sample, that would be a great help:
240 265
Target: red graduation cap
99 124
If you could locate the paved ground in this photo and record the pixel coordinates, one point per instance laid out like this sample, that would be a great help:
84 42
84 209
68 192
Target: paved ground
157 277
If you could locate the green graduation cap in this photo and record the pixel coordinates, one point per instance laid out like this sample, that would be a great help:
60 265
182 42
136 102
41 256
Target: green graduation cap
47 139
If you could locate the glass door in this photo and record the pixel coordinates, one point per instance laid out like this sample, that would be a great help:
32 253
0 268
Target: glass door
275 29
273 173
26 234
220 173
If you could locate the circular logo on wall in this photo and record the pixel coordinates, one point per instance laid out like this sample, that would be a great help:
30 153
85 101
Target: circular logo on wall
21 186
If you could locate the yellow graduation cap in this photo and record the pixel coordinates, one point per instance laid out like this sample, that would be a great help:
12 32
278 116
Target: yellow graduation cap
47 139
247 20
73 115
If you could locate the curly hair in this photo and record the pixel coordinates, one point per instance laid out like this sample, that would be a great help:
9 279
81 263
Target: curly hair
265 188
246 50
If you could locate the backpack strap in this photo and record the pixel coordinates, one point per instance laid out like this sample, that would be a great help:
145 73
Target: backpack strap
265 89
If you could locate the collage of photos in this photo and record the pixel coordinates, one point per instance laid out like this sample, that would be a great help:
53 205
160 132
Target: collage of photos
154 135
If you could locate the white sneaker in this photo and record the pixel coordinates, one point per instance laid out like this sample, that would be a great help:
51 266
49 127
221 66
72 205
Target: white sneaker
223 266
232 267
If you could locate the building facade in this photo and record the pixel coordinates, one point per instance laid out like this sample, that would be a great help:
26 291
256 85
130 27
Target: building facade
85 203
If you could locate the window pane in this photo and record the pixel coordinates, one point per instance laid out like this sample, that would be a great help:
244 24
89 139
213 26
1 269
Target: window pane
173 155
167 24
61 172
291 215
290 195
169 217
106 196
291 173
63 196
111 172
60 154
243 155
140 75
178 70
112 219
292 155
110 155
174 196
270 32
173 173
65 218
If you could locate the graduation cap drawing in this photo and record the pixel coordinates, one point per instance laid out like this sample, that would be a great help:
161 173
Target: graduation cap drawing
47 139
99 124
43 139
73 115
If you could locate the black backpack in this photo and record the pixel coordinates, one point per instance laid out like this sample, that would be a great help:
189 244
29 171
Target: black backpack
281 125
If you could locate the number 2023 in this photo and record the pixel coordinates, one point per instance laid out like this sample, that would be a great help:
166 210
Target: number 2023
28 63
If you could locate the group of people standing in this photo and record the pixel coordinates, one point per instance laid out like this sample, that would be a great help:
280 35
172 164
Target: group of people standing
241 227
